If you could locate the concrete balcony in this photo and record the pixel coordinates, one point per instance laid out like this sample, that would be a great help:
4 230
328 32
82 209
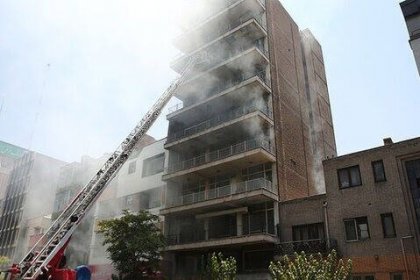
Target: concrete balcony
199 238
249 31
222 242
313 246
255 82
234 14
225 70
224 120
234 195
229 158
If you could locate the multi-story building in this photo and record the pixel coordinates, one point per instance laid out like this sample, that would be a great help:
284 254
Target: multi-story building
370 212
411 12
9 154
138 186
253 128
29 196
72 178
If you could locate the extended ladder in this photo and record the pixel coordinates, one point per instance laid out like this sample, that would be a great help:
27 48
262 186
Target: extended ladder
59 233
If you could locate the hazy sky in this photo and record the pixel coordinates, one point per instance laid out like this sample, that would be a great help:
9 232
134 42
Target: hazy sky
75 76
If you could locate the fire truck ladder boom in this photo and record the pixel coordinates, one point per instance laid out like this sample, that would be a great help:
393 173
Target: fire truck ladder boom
59 233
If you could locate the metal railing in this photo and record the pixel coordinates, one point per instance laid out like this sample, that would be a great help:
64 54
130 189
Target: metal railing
226 29
197 22
199 234
219 119
217 192
216 62
220 87
312 246
259 143
175 107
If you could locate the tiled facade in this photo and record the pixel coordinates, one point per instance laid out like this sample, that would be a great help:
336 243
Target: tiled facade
29 197
9 155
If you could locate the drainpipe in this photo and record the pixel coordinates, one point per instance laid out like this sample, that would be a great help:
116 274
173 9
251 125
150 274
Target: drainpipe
327 228
404 256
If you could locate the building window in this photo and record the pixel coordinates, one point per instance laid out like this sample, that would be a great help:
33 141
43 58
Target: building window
308 232
132 167
397 276
378 171
349 177
153 165
388 226
363 277
357 229
257 260
257 171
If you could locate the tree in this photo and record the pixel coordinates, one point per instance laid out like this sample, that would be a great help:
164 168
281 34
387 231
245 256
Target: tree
133 244
220 268
4 260
312 267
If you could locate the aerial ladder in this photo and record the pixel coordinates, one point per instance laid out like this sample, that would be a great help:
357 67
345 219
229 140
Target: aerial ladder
45 257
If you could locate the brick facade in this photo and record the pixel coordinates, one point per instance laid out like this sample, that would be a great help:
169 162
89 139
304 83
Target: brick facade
303 125
377 255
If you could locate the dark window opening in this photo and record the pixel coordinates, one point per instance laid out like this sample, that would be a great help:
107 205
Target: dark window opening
153 165
397 276
308 232
388 226
349 177
378 171
357 229
257 260
132 167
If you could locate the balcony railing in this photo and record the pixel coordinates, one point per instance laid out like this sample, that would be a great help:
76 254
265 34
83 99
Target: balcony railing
198 234
222 86
224 191
219 119
249 145
216 60
198 21
313 246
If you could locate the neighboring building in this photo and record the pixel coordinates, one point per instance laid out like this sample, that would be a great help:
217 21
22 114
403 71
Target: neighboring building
29 196
411 12
73 177
137 186
9 154
372 211
253 129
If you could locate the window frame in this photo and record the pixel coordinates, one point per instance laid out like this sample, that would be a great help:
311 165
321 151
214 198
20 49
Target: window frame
297 230
145 172
383 216
362 276
348 171
132 167
380 161
397 274
357 229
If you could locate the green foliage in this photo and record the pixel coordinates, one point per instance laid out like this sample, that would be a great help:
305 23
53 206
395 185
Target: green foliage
311 267
220 268
4 260
133 244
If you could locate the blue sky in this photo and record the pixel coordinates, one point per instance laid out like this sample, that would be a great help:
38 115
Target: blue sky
76 76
